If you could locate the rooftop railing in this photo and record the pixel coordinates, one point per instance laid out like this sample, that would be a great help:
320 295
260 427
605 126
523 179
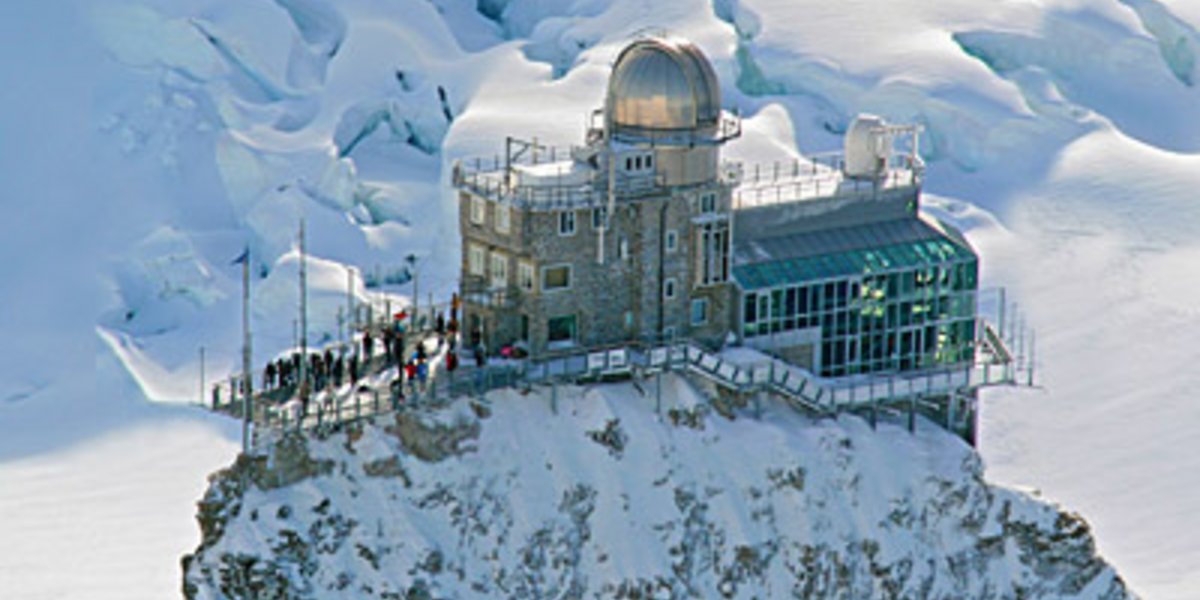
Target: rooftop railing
820 176
755 184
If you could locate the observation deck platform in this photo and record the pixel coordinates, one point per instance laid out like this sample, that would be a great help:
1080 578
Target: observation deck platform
563 178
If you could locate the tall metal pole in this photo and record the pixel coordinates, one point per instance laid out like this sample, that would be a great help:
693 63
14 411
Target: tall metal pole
247 391
303 315
202 386
342 325
350 298
1032 356
1003 300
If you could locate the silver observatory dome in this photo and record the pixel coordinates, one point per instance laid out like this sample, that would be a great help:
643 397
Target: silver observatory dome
662 85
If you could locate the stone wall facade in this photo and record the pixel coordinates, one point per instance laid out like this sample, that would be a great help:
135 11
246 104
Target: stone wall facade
643 290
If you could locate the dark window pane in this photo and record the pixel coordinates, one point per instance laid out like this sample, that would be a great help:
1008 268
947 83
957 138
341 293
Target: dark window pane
561 329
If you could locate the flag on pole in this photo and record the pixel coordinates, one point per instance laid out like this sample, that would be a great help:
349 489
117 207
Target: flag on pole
243 257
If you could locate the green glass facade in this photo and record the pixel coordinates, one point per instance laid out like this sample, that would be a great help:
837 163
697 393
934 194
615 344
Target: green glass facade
895 308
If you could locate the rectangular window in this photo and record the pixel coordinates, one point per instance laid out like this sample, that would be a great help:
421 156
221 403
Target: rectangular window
499 270
566 223
525 275
598 219
503 219
669 288
712 256
475 259
672 240
708 203
699 311
557 277
478 210
561 330
623 249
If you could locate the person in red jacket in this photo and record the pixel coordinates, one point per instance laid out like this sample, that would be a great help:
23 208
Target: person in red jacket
410 372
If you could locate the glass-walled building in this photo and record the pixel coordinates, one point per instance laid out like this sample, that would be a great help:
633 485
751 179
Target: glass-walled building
890 296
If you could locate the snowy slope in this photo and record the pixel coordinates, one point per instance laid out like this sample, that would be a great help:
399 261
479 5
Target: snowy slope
149 141
610 501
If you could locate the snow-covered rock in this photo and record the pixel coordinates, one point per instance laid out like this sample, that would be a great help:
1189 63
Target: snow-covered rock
506 499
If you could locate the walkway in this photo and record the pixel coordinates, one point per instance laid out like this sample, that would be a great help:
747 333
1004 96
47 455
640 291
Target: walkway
376 393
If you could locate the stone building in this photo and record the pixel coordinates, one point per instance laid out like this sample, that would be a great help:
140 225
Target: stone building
626 238
643 234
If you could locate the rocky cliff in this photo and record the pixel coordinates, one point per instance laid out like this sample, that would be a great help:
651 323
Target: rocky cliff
605 498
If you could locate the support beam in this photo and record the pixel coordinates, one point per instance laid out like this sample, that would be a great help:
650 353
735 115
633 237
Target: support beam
912 414
951 402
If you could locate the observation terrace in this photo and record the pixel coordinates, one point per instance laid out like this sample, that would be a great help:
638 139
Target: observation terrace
548 178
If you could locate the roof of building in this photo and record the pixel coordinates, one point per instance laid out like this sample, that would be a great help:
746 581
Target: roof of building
845 251
663 84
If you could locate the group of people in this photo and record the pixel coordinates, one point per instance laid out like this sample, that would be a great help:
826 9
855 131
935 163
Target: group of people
323 370
329 370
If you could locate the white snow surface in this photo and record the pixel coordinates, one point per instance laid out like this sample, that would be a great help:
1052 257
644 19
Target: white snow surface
147 142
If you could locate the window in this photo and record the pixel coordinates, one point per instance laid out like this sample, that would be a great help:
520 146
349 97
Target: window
712 257
708 203
566 223
503 219
561 330
672 240
641 162
557 277
499 270
669 288
699 311
525 275
598 217
475 258
478 210
623 249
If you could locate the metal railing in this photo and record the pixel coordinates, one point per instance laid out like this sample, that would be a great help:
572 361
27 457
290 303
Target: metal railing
377 394
820 176
757 184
